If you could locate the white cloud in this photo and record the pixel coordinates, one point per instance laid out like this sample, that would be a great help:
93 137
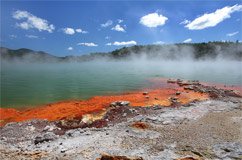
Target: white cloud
13 36
31 36
187 40
30 21
79 30
159 42
88 44
69 31
232 34
69 48
108 23
118 28
153 20
122 43
107 37
185 21
120 20
214 18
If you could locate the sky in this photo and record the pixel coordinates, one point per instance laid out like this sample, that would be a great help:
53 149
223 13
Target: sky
76 27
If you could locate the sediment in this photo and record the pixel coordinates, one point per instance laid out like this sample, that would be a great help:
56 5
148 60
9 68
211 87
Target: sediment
207 128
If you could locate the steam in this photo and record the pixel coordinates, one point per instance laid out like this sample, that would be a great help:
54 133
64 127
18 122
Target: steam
175 52
26 81
223 65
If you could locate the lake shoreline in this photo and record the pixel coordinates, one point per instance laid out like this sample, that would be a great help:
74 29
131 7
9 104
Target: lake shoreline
207 128
162 92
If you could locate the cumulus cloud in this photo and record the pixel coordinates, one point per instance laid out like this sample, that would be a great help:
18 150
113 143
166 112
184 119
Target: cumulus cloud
87 44
72 31
159 42
153 20
31 36
118 28
30 21
106 24
185 21
69 31
187 40
122 43
214 18
232 34
79 30
69 48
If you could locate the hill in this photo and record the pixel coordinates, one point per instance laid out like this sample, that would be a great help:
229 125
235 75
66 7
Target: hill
196 51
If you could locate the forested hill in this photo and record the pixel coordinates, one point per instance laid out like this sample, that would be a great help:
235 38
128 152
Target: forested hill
196 51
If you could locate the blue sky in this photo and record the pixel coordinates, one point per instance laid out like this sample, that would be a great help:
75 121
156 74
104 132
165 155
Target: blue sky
79 27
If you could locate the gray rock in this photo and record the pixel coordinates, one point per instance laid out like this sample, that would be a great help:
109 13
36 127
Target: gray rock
228 150
120 103
49 128
190 87
49 136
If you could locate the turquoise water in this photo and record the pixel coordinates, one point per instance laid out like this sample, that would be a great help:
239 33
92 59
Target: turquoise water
34 84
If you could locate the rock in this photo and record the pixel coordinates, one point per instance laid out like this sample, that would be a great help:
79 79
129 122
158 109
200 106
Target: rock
157 107
133 110
49 128
171 81
30 128
3 139
124 103
147 97
166 122
190 87
120 103
187 158
63 151
173 99
45 138
124 115
178 93
145 93
140 125
110 157
185 83
228 150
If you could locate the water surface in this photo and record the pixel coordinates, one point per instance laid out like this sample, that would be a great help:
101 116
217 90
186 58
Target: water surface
35 84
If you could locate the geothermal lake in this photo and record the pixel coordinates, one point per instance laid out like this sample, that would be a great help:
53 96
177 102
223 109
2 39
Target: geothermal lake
35 84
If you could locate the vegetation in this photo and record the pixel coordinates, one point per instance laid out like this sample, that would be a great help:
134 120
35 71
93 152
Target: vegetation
210 50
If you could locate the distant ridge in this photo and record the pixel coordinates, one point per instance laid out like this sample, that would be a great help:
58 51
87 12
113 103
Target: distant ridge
197 51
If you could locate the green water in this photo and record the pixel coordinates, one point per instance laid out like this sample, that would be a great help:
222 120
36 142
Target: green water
34 84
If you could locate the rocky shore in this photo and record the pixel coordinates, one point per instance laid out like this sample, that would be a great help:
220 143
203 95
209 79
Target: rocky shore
201 129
